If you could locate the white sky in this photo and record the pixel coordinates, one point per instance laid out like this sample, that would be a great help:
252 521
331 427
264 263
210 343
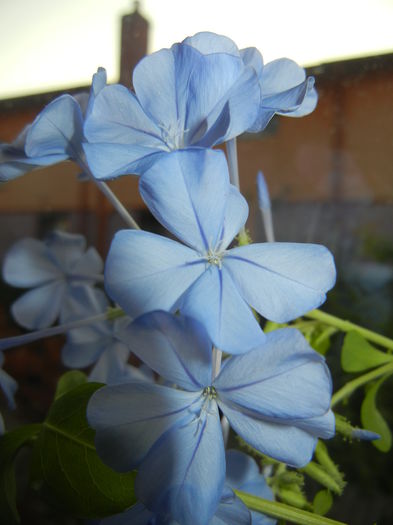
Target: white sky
54 44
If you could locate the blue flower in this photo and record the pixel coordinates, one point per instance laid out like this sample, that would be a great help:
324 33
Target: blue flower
243 474
275 397
101 343
55 135
54 269
284 87
185 97
206 280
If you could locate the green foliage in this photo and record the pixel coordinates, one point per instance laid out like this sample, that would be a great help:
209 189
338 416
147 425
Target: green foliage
358 354
322 476
10 444
76 476
68 381
317 333
323 501
373 420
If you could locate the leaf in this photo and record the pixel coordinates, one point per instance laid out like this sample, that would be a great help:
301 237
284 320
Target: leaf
10 444
357 354
373 420
322 503
68 381
84 485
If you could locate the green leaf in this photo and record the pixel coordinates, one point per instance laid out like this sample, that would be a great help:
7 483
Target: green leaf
358 354
320 474
78 479
10 444
373 420
68 381
323 501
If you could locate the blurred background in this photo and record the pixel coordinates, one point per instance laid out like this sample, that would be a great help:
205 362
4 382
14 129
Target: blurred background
330 174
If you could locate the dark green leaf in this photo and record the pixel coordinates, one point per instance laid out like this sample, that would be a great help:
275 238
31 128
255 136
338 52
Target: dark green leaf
10 443
68 381
373 420
357 354
322 502
70 465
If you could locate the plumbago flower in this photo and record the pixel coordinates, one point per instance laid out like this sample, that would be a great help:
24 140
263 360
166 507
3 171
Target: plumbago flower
54 269
275 397
101 343
242 473
55 135
204 279
198 94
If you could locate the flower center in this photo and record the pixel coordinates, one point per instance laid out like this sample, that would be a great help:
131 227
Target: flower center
173 135
210 392
214 258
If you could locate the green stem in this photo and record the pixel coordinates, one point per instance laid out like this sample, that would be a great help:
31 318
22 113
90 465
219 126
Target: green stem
351 386
285 512
347 326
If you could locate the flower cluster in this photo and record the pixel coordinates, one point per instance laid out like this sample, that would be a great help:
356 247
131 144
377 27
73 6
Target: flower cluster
185 302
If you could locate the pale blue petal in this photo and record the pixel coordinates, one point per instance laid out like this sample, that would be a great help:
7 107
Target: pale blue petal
65 249
159 84
40 307
215 302
111 367
97 85
8 385
130 418
146 272
88 264
207 43
58 129
282 280
322 426
308 105
187 193
27 264
86 301
183 474
77 353
176 347
231 510
283 442
117 117
252 57
14 163
285 102
236 213
282 379
107 161
279 75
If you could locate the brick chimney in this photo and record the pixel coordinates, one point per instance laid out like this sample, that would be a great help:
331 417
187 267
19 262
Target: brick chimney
134 33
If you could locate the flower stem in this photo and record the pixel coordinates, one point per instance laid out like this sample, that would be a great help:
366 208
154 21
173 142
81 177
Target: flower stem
284 512
353 385
347 326
10 342
233 167
104 188
217 357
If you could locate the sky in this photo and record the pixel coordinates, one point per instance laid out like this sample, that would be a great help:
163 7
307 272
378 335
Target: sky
55 44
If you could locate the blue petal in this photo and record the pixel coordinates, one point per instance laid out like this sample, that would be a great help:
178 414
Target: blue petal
207 43
97 85
322 426
87 267
65 249
117 117
252 57
283 379
215 302
243 474
231 510
7 384
284 442
27 264
107 161
130 418
57 130
111 368
187 192
282 280
280 75
146 272
40 307
189 470
176 347
236 213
